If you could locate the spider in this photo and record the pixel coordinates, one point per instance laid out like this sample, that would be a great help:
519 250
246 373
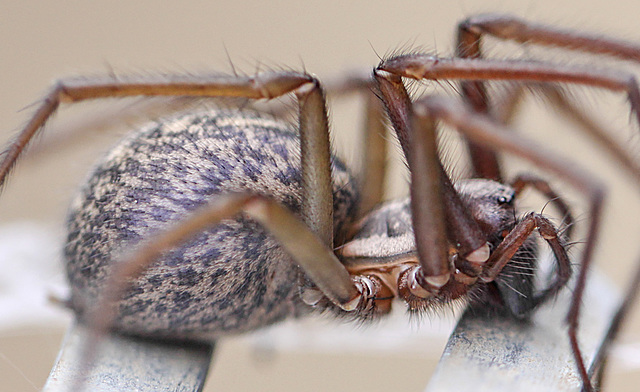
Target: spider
220 222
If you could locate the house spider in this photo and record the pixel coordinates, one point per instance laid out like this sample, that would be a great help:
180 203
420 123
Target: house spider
208 224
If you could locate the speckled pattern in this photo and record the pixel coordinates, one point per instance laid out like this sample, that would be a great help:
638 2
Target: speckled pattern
231 278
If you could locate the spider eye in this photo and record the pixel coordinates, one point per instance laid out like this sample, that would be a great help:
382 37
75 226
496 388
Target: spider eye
506 199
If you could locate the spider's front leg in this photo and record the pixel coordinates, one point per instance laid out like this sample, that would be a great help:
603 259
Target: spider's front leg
509 28
438 215
485 132
492 135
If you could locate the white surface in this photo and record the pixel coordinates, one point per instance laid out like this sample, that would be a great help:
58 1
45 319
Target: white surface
31 273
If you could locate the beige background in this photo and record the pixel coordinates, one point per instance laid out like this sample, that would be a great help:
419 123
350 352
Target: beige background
41 41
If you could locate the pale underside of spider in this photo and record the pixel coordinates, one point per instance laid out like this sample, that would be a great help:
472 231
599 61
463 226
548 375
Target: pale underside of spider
220 222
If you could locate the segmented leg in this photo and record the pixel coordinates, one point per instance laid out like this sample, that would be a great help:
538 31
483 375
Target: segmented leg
419 66
490 134
514 240
480 130
317 195
523 180
306 248
484 161
422 66
508 27
469 46
373 163
433 198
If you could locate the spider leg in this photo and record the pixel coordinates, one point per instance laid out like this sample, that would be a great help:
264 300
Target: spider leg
316 173
374 165
307 249
437 211
514 240
317 208
309 241
484 161
88 127
421 154
556 98
469 42
523 180
508 27
373 162
490 134
421 66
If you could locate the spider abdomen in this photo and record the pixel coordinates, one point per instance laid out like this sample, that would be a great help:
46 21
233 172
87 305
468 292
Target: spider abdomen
231 278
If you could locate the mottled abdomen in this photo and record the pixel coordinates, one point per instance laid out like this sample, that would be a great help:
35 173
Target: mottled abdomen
231 278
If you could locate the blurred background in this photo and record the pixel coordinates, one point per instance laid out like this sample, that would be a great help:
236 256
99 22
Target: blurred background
42 41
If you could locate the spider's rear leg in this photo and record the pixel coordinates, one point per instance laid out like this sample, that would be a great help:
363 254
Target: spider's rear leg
315 150
316 181
373 162
306 248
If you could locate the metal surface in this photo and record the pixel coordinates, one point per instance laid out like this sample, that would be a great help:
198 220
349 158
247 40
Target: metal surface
488 352
130 364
